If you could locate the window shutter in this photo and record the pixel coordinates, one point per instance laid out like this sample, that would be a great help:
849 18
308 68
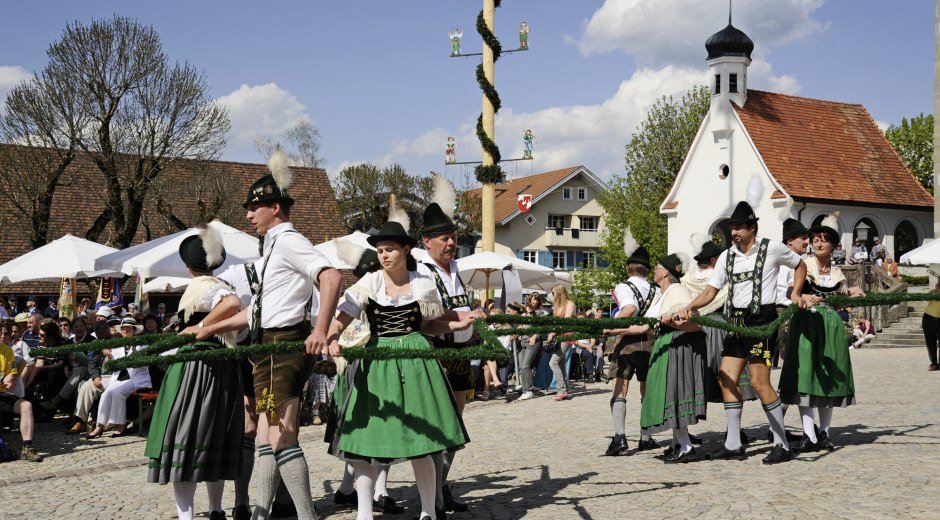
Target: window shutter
569 259
578 258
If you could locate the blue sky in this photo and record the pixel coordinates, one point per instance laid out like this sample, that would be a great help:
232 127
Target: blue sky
375 77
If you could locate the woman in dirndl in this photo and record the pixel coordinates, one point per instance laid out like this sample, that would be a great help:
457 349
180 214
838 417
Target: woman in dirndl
817 370
675 384
397 409
198 425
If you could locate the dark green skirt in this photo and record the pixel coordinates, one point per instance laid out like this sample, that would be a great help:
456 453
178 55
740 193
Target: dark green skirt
396 409
817 369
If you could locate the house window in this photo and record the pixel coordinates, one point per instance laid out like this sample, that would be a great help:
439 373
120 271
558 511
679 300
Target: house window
732 83
566 193
556 221
588 223
582 194
558 260
589 259
717 84
530 256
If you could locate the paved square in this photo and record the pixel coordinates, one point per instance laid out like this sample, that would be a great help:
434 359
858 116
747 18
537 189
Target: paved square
540 459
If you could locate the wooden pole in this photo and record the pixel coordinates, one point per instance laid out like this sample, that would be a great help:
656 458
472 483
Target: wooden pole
489 190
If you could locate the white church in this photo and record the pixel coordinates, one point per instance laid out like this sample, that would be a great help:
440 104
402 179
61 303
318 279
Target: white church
801 158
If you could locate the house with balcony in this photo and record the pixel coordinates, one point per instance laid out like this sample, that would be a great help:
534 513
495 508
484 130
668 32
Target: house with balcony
551 218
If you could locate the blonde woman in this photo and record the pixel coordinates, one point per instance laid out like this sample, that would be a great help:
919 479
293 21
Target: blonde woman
563 307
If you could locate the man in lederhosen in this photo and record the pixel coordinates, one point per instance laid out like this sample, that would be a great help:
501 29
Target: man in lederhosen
440 241
751 266
281 310
631 353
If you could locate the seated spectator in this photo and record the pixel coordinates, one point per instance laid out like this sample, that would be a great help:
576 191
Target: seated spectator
151 324
863 332
878 251
74 369
112 408
49 369
65 325
838 255
92 388
103 313
80 331
12 394
859 252
29 340
891 268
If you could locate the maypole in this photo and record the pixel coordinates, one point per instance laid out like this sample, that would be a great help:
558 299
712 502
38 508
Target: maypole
489 173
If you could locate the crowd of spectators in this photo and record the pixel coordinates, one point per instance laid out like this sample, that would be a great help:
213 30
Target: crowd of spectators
34 389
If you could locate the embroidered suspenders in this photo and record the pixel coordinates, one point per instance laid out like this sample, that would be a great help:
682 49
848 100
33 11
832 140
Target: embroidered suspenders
643 304
450 302
755 277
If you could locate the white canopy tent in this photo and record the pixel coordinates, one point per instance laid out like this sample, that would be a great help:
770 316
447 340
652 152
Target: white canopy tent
66 257
929 253
161 257
166 284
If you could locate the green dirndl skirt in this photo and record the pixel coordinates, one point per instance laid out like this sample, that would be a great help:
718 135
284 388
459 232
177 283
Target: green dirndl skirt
198 421
397 409
817 369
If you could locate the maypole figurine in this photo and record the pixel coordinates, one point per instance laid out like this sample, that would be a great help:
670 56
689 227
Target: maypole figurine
527 139
455 37
523 36
450 155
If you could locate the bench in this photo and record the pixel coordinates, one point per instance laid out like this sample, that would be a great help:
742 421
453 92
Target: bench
146 399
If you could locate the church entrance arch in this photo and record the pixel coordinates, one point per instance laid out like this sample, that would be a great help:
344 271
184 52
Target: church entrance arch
905 238
720 233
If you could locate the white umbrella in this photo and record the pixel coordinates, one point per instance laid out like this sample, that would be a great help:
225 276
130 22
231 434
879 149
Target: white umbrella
486 269
928 253
161 257
166 284
67 257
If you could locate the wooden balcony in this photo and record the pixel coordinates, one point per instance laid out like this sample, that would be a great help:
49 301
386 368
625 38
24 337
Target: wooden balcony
572 238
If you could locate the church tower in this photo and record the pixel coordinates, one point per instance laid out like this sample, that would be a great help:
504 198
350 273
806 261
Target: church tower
729 54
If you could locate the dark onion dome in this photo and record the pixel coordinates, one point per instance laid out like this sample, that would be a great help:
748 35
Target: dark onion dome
729 41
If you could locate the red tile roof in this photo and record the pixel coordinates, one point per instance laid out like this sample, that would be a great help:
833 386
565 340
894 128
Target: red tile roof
506 193
76 204
828 151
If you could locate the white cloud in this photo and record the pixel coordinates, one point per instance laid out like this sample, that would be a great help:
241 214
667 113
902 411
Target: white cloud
760 75
674 31
259 110
882 125
11 77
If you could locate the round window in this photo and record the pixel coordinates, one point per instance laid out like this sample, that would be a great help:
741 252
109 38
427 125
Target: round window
723 171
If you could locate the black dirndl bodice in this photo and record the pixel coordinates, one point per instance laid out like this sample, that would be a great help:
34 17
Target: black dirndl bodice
391 321
818 290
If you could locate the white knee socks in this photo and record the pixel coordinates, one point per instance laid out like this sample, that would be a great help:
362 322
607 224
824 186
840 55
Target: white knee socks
809 422
825 419
425 478
733 414
381 482
184 492
365 483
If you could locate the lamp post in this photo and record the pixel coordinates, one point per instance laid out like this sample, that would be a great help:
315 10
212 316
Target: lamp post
861 232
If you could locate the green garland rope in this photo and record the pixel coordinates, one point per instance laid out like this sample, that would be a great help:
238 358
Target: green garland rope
567 329
490 173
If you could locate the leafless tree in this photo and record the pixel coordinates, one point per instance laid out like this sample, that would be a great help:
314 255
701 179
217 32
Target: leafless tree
301 142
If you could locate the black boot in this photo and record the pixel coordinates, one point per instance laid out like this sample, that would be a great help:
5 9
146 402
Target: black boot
451 503
617 446
825 443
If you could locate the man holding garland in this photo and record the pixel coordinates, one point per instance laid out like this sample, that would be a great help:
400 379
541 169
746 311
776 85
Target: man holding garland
751 267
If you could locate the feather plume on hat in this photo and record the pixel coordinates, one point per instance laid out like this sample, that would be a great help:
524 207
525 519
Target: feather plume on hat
786 210
755 190
348 252
444 194
397 214
686 262
831 220
698 240
279 164
629 243
212 244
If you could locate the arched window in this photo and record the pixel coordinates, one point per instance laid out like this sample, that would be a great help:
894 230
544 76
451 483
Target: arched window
905 238
872 231
721 233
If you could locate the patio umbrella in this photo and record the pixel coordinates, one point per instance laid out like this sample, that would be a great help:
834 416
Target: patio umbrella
67 257
486 269
166 284
161 257
928 253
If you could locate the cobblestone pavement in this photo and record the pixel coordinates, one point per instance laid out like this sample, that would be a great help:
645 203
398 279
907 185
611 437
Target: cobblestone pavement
540 459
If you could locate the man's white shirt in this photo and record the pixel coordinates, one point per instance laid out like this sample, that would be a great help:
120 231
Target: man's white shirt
453 286
777 255
625 296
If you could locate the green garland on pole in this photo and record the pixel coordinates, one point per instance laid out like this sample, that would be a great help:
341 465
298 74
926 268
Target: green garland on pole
160 341
490 173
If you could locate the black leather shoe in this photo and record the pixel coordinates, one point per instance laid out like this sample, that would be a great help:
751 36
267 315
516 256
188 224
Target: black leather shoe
647 444
725 453
241 513
791 437
216 515
440 514
678 457
387 504
698 440
825 443
778 455
279 510
670 451
342 499
804 446
617 446
451 503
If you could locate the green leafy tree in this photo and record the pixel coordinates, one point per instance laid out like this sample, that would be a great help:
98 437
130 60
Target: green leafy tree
913 140
654 155
363 190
